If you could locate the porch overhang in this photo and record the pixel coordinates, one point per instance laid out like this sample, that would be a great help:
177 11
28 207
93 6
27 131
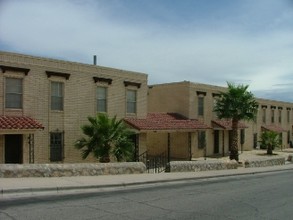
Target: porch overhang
273 127
165 123
19 125
223 124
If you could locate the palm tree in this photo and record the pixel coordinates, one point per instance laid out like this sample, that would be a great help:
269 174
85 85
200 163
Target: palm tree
106 137
270 140
236 104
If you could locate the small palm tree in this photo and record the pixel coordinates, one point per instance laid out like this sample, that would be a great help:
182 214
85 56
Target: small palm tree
236 104
105 137
270 140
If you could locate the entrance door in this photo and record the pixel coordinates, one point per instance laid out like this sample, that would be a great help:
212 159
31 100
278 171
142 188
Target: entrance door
13 148
216 142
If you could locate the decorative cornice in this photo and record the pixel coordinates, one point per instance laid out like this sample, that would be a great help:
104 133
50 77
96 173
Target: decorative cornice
216 94
12 68
201 93
101 79
51 73
128 83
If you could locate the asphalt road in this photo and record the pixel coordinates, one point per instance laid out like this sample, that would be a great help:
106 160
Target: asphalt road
258 196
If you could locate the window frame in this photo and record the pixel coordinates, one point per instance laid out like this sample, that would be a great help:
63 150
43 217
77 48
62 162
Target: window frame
19 104
272 116
103 99
131 102
54 108
264 115
56 149
200 106
201 137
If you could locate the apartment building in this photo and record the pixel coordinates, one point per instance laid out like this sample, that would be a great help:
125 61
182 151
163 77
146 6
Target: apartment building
196 101
43 103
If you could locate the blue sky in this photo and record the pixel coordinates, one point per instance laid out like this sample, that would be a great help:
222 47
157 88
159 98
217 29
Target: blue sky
206 41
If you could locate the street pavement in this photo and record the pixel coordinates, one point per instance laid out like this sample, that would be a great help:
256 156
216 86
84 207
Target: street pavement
51 185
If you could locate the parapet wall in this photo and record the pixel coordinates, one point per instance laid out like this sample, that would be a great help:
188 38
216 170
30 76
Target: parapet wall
58 170
194 166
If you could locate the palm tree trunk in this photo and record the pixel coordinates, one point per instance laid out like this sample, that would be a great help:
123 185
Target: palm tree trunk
234 144
269 149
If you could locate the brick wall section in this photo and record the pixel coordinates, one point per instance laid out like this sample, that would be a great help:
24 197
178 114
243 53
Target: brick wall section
79 99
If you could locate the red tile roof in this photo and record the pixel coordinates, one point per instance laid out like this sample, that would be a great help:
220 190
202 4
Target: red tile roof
274 128
227 124
165 121
19 122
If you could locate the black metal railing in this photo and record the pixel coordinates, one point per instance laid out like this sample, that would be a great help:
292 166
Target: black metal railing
154 164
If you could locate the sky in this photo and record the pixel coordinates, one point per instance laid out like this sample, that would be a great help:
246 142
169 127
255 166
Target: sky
213 42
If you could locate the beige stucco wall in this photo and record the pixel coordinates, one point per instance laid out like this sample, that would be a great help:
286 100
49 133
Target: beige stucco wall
79 98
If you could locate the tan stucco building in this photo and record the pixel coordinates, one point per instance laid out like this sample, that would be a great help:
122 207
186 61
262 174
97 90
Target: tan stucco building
196 101
43 103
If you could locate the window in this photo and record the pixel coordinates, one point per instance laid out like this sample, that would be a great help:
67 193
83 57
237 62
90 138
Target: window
201 139
57 96
280 116
200 106
56 146
131 101
288 116
264 115
13 93
101 99
255 140
242 136
273 115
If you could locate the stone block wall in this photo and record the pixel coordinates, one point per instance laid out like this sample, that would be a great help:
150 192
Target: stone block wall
59 170
195 166
264 162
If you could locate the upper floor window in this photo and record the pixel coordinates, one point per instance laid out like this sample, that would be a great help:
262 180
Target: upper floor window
280 116
264 115
57 96
13 93
273 115
288 115
131 101
200 106
101 99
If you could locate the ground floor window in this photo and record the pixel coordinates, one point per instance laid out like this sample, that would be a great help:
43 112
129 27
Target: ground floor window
201 139
255 140
56 146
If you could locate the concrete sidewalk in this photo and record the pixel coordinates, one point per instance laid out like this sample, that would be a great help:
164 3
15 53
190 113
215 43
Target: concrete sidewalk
11 187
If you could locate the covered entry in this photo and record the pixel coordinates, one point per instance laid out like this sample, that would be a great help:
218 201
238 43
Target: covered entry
17 138
167 134
222 135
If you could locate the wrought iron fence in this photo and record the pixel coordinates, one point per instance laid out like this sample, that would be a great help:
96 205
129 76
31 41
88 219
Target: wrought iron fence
154 164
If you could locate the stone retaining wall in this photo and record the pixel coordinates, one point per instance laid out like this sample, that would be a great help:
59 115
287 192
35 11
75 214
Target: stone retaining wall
194 166
264 162
58 170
